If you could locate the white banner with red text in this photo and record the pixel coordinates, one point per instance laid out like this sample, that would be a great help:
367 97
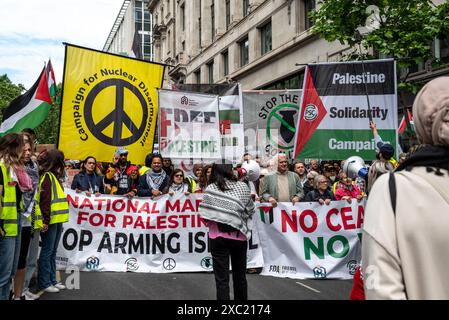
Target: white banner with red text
113 233
310 240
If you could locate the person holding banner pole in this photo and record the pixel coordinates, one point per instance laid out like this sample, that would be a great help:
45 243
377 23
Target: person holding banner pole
228 208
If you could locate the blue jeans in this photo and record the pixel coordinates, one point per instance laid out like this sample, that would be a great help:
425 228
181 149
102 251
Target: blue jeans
9 258
47 258
32 258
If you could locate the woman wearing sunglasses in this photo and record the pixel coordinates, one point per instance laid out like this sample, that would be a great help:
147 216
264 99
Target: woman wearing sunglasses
178 184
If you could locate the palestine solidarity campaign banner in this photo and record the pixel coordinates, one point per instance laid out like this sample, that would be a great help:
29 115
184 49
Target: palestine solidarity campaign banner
335 113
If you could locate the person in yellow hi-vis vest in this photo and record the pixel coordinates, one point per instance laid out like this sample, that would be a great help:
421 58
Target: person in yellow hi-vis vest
31 223
55 211
12 180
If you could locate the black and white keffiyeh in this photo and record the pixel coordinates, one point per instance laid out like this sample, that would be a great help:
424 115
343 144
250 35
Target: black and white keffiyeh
155 179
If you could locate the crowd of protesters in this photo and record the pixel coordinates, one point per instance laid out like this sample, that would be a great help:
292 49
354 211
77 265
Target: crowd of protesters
35 207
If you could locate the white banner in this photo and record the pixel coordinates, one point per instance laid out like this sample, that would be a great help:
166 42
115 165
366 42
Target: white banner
189 125
112 233
309 240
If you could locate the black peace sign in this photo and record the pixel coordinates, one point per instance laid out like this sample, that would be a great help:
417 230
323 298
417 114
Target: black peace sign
118 115
169 264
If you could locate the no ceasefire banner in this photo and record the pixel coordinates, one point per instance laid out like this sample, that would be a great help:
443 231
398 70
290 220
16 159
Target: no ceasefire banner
334 119
112 233
310 240
108 101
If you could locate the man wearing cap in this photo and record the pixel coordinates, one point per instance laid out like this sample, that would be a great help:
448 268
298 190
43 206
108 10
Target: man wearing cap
121 179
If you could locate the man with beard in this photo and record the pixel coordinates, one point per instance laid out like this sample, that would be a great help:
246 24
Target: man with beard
121 179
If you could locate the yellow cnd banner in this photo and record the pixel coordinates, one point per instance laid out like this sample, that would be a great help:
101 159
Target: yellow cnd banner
108 101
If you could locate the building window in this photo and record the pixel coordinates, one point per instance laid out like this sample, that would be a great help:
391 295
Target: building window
442 49
197 76
244 52
183 17
309 5
265 36
291 82
212 18
210 71
245 8
225 57
228 13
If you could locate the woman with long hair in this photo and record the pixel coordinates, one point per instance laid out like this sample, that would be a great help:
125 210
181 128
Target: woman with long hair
205 177
177 184
13 182
88 180
228 209
55 211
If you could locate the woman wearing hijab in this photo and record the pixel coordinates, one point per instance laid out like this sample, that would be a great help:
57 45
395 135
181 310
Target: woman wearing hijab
154 181
406 223
228 209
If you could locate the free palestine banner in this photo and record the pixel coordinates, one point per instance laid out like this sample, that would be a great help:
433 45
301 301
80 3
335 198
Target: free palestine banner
335 114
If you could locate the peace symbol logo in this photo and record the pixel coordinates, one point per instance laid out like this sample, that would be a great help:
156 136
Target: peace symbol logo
118 117
285 114
169 264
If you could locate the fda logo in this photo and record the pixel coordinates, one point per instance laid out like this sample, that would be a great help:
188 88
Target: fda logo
352 267
319 272
92 263
311 112
131 264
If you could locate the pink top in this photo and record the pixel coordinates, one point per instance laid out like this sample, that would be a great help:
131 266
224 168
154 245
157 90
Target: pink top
215 233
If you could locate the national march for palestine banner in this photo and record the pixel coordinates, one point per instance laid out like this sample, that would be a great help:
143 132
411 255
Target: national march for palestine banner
113 233
310 240
28 110
334 118
108 101
270 119
231 117
189 125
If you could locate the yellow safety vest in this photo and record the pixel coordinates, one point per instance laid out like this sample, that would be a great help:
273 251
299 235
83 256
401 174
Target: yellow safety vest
394 162
143 169
8 212
59 209
38 221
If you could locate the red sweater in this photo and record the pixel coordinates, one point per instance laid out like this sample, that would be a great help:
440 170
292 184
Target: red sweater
45 200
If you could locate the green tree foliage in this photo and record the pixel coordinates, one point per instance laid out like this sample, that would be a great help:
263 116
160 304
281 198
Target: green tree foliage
405 28
8 91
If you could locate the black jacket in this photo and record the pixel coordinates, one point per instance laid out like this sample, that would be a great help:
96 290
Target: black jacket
82 182
144 190
315 195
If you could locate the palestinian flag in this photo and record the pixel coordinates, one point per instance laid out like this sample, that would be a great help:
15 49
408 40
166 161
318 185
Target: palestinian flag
403 125
51 80
28 110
